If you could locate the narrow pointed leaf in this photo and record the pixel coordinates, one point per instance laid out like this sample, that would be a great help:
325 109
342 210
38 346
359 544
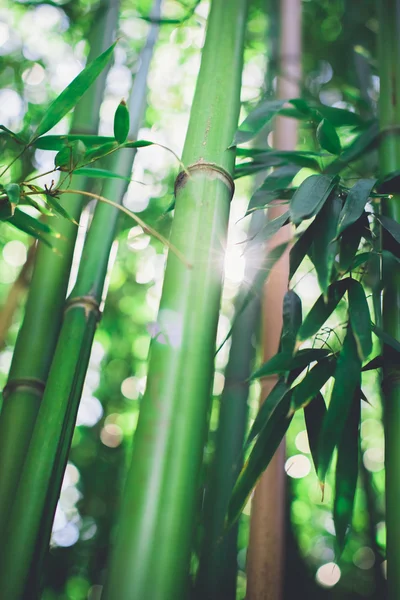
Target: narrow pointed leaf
266 409
257 120
312 383
366 141
58 208
391 227
94 154
260 456
328 138
13 192
73 92
271 228
347 379
300 249
322 310
346 474
100 173
385 337
31 226
339 117
17 138
390 184
138 144
355 203
121 122
375 363
292 317
58 142
325 242
314 415
287 157
279 179
284 361
310 197
360 319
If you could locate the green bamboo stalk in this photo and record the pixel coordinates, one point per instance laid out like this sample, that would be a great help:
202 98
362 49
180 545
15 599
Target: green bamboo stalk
152 550
389 116
51 439
37 337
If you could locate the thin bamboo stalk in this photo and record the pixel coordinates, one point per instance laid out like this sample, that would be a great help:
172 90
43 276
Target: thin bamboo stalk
267 526
37 337
389 155
152 550
48 451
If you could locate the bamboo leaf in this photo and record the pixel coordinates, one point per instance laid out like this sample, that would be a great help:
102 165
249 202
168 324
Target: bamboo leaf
355 203
100 173
264 448
94 154
310 197
270 229
17 138
363 143
339 117
121 122
375 363
300 249
31 226
328 137
266 409
390 184
269 190
6 207
58 208
138 144
72 93
271 158
322 310
347 379
385 337
391 226
292 317
346 474
285 361
350 242
312 383
360 318
314 415
13 192
325 242
69 156
257 120
58 142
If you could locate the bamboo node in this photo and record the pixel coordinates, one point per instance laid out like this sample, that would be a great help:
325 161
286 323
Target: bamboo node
29 384
89 303
212 169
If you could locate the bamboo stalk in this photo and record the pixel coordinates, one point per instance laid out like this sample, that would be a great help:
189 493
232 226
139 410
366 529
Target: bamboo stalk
152 550
48 452
389 155
267 526
37 337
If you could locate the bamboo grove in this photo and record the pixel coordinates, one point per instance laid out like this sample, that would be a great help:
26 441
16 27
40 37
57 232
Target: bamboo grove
163 540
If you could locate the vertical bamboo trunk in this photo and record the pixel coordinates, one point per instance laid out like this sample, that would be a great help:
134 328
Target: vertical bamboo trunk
267 526
152 550
37 337
389 116
48 451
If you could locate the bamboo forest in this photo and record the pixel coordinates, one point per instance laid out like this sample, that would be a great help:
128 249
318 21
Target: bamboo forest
200 299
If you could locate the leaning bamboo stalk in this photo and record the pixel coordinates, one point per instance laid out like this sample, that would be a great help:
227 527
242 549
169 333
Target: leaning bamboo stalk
389 154
267 526
37 337
152 549
53 430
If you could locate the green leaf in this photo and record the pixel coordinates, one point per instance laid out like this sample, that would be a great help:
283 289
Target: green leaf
94 154
271 158
58 142
257 120
355 203
100 173
17 138
312 383
31 226
58 208
346 474
360 318
363 143
339 117
375 363
73 93
390 184
121 122
13 192
328 137
6 208
285 361
257 285
391 227
69 156
325 242
310 197
266 409
269 190
322 310
300 249
347 379
138 144
350 242
260 456
292 317
270 229
314 415
386 338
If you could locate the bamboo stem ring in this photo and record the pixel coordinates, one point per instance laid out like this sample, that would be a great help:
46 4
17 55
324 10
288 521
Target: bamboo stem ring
89 303
208 168
30 384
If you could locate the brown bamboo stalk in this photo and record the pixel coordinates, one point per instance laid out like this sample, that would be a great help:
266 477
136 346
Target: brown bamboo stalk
267 526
